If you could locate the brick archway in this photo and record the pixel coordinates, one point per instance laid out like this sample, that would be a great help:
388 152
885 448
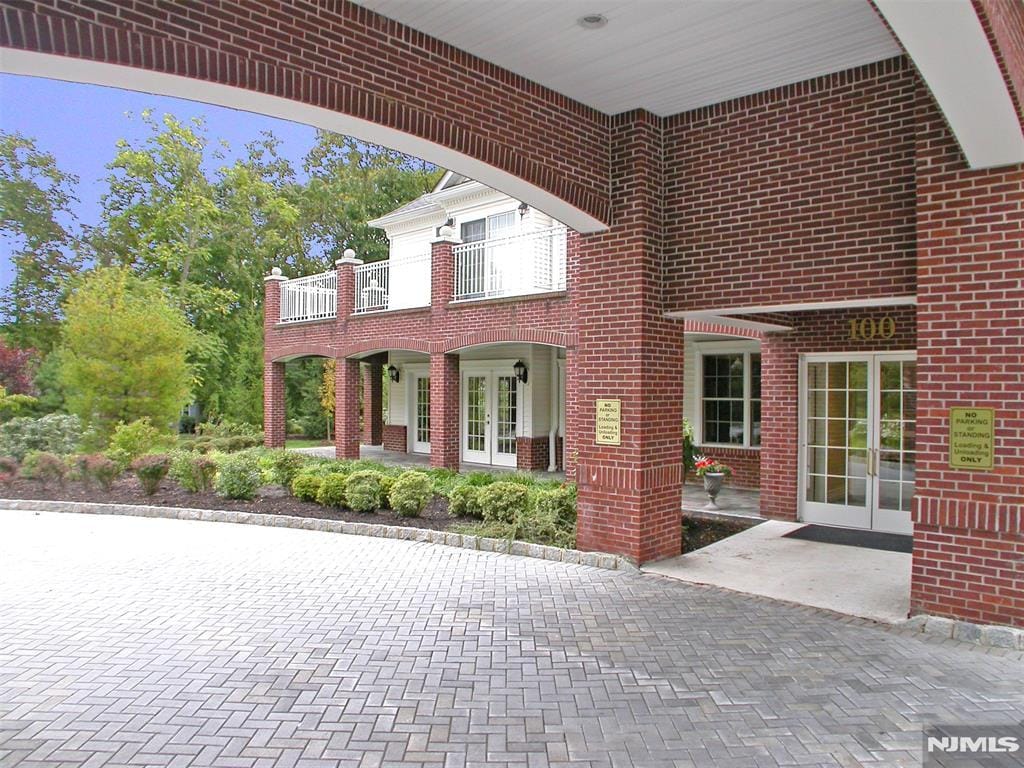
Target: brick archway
295 351
525 336
429 100
385 344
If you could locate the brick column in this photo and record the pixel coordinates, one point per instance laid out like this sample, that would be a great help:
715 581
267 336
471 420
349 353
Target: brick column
273 373
780 428
442 272
444 411
373 403
629 494
569 452
346 409
968 543
346 267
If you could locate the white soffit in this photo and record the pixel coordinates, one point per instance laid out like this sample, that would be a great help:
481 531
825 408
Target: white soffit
665 56
951 51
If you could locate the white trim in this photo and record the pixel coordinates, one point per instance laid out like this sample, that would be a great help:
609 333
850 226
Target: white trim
17 62
490 370
952 52
409 372
736 347
893 521
807 306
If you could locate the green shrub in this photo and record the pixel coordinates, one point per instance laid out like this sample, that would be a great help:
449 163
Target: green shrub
478 479
238 476
362 490
8 470
44 468
410 493
332 490
520 478
101 469
387 482
503 502
464 501
280 466
54 433
559 504
306 486
217 429
151 470
130 441
193 471
443 480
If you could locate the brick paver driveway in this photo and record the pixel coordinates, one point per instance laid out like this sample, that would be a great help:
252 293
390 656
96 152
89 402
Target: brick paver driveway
127 641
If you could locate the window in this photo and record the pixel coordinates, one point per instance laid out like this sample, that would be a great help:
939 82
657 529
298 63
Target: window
498 225
731 399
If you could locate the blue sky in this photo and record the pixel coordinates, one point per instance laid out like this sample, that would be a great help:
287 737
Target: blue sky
79 124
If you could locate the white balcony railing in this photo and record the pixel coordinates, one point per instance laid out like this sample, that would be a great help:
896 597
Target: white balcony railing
533 262
401 283
314 297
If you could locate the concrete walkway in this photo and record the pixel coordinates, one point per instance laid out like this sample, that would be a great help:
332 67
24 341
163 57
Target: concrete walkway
856 581
731 501
145 642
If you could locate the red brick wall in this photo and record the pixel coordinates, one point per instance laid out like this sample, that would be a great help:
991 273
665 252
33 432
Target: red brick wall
630 494
532 453
827 331
395 438
342 57
346 409
444 411
802 193
969 546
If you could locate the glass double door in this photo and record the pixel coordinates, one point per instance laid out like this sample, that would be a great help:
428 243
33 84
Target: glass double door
858 441
490 414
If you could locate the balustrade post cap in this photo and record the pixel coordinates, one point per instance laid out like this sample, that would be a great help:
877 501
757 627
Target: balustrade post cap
274 276
446 234
348 257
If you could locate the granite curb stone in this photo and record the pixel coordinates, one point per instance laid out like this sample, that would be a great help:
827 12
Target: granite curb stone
445 538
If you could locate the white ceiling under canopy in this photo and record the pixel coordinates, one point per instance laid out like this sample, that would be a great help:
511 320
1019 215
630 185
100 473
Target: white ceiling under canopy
665 56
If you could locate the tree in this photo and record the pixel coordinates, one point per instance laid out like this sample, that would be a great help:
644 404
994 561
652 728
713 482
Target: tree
35 196
123 353
17 369
327 393
351 183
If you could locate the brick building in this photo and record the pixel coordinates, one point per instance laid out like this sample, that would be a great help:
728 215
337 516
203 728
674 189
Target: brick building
841 184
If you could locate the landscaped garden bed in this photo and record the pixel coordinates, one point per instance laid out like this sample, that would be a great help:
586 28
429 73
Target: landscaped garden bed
224 469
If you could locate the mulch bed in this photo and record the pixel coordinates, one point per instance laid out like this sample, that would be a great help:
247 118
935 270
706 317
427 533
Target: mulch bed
271 501
700 532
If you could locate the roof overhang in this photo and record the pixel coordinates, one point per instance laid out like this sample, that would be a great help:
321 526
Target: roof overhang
950 49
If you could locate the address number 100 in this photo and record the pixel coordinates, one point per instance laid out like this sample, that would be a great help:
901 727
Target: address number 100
867 328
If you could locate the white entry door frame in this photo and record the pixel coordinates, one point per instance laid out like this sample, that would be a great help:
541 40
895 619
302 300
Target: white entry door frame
491 412
417 397
856 447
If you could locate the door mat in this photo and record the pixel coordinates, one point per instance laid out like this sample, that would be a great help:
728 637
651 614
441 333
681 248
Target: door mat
854 537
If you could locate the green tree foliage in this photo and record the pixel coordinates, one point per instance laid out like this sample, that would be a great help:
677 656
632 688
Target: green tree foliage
123 354
35 197
207 231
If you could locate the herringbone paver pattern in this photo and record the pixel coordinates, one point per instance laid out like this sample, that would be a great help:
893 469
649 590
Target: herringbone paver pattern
136 642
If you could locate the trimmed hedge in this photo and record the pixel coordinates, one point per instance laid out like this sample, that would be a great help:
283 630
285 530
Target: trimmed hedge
503 502
363 490
410 493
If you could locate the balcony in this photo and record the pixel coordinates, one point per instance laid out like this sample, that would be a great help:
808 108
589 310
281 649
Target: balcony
520 265
314 297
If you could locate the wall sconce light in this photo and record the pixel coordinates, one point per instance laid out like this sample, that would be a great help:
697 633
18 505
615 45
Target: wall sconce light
523 208
393 373
521 372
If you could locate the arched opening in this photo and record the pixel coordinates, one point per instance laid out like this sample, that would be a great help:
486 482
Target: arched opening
437 151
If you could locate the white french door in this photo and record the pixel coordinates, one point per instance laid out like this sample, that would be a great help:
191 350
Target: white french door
420 413
490 417
857 440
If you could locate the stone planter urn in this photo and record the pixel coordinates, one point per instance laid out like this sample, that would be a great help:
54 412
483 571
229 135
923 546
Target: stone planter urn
713 486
